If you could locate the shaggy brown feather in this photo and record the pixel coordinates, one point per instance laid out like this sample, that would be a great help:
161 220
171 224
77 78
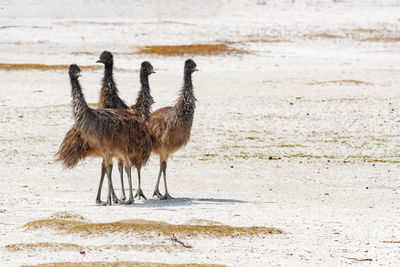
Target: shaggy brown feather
72 149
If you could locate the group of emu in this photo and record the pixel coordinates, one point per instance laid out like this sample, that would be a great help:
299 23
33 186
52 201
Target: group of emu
127 133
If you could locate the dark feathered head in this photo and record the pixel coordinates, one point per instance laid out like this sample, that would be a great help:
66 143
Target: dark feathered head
74 71
190 66
146 68
106 58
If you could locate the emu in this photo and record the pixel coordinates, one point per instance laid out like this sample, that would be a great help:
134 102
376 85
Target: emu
109 98
169 127
143 104
73 148
110 133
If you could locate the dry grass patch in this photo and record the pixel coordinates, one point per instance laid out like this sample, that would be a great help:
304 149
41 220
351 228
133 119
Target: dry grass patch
323 36
42 67
382 38
309 156
202 222
120 264
55 247
188 50
260 38
64 215
175 50
370 159
43 245
149 228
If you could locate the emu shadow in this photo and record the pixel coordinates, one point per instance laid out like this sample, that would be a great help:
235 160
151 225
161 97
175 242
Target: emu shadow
184 201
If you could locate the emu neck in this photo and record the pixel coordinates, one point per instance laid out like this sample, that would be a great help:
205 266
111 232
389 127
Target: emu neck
186 103
144 99
79 104
109 93
187 80
144 81
108 80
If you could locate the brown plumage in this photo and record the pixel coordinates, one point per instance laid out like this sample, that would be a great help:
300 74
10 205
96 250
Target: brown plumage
73 148
110 133
143 104
170 127
109 98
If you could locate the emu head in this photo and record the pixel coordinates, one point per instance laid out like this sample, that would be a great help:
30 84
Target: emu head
146 68
106 58
74 71
190 66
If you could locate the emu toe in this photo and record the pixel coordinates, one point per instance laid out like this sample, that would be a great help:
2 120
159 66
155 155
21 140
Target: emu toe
128 202
166 197
139 193
108 203
100 203
157 193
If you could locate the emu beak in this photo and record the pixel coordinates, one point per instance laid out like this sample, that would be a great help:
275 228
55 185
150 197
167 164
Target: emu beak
196 69
98 61
152 71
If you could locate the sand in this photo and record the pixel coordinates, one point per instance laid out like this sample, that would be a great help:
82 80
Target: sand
299 132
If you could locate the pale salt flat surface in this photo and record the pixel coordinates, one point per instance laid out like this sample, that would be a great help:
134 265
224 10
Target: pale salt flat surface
324 108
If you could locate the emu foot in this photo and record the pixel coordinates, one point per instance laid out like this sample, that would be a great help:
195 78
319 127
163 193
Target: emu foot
107 203
128 202
115 199
123 197
100 203
157 193
139 193
166 196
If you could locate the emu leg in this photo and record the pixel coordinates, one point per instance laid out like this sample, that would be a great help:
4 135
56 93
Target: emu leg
130 199
166 196
98 198
156 190
139 192
121 173
114 197
110 186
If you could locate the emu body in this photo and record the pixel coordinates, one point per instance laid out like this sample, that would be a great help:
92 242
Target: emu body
110 133
109 98
143 104
170 127
73 148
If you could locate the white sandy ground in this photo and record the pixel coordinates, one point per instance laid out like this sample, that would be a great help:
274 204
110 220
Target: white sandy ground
333 181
